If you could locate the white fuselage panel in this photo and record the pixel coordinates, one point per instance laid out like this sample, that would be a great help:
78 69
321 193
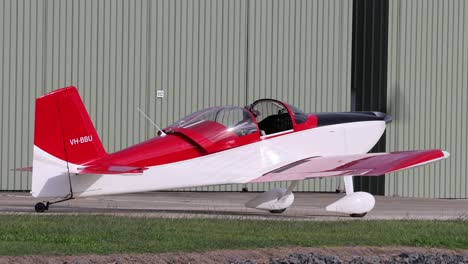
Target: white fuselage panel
236 165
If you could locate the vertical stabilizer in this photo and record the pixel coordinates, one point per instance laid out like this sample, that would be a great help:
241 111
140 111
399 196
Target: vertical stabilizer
64 137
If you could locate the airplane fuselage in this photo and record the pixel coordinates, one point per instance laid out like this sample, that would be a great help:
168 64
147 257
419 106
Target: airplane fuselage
235 165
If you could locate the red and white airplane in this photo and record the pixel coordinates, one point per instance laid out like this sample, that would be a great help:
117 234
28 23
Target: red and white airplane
266 141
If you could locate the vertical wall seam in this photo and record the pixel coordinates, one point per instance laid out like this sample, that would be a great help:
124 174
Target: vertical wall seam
247 32
148 61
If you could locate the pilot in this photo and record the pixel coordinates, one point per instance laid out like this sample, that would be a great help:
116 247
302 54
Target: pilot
246 125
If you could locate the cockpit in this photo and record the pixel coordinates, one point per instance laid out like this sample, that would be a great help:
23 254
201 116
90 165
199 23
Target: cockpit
219 128
234 119
275 117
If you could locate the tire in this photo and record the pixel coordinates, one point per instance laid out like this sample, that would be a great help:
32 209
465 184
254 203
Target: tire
358 215
40 207
279 211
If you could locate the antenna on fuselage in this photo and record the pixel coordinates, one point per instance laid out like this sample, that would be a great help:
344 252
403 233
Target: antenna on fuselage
151 121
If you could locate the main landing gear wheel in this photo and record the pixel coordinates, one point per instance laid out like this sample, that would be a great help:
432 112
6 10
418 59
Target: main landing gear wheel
40 207
358 215
279 211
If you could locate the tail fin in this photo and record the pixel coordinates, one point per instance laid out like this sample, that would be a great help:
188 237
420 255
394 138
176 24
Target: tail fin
64 137
63 127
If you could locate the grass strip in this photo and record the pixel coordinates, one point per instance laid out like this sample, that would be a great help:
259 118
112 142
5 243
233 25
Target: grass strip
67 235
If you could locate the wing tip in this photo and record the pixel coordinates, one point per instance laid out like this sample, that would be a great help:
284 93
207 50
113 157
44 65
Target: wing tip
446 154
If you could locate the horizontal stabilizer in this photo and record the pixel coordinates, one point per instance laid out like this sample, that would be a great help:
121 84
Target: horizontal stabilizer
371 164
110 169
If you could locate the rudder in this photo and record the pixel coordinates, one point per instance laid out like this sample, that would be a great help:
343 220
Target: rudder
64 137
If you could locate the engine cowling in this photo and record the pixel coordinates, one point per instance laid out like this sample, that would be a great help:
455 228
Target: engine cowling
354 203
273 200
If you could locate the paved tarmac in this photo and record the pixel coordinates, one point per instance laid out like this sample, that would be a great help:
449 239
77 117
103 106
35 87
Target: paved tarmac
307 206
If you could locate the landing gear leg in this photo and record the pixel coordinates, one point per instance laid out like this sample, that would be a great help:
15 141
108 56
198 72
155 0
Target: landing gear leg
44 206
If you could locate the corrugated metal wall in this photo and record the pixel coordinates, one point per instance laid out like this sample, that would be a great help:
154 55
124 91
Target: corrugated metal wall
300 52
201 53
99 46
428 94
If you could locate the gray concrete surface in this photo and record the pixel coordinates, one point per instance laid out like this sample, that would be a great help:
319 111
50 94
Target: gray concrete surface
307 206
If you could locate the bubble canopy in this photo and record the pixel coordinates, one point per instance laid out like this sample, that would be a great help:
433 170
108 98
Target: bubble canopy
235 119
225 127
218 127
